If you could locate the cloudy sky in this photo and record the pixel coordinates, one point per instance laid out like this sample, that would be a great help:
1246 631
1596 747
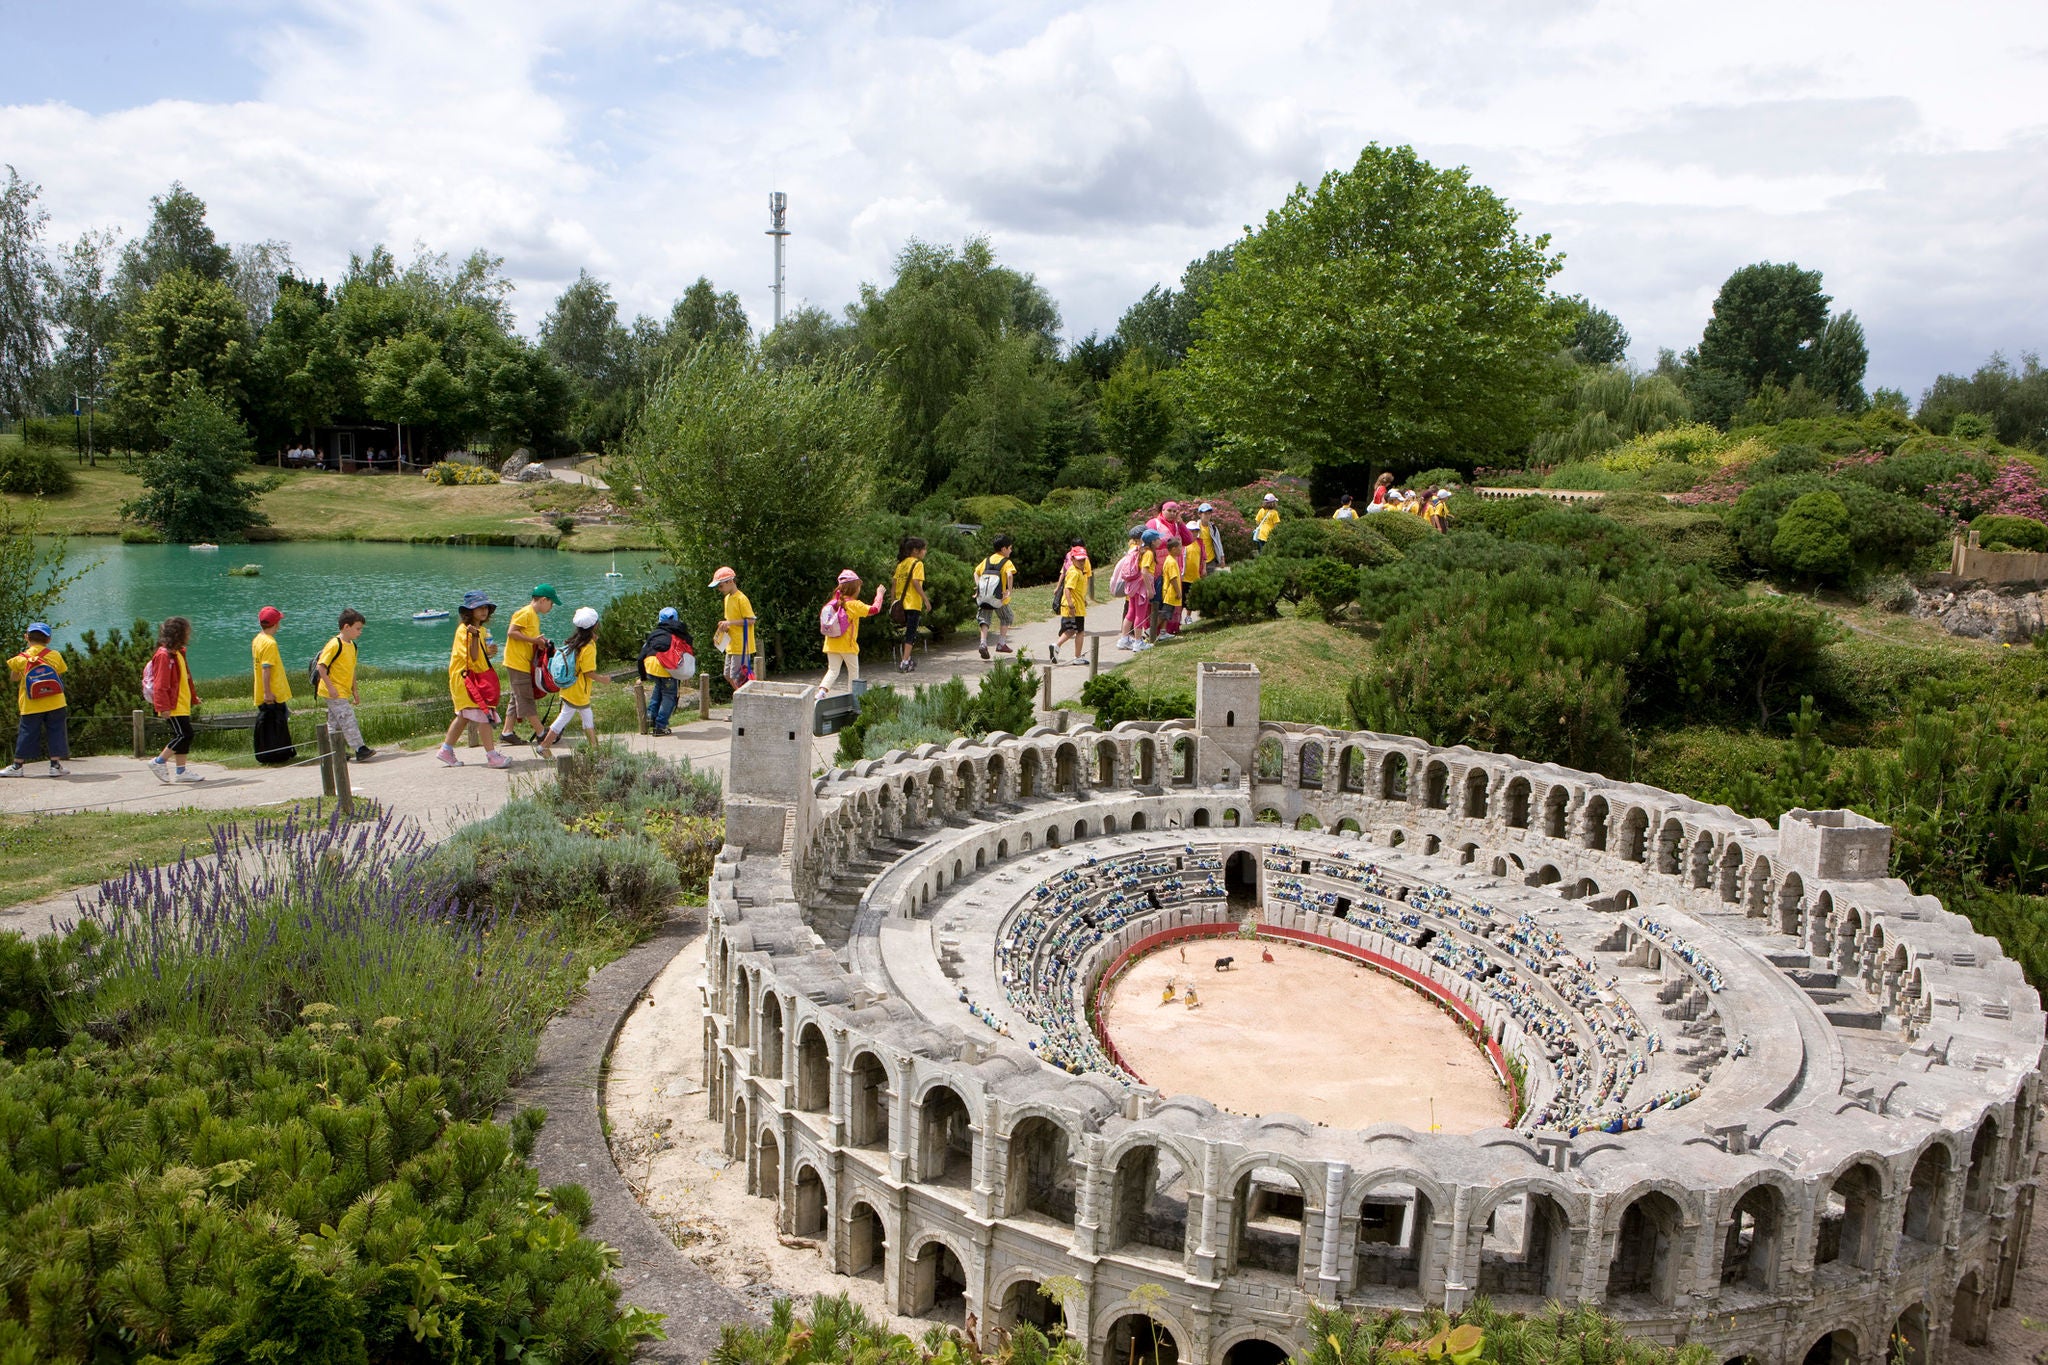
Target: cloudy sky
1900 148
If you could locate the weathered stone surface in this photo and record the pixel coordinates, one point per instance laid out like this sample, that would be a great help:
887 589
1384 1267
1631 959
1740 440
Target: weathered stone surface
1986 613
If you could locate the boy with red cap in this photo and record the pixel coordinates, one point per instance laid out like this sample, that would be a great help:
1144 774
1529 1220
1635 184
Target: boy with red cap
273 690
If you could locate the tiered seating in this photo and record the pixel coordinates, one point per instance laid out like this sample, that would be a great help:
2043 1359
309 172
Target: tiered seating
1503 955
1687 953
1047 940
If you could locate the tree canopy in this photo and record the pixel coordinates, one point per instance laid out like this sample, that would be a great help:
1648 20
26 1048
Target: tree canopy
1391 315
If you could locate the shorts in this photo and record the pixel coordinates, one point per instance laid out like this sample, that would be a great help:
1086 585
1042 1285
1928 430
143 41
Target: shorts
181 733
738 669
987 616
1073 625
911 620
523 705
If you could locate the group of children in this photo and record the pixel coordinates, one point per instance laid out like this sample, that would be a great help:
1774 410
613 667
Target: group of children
1432 504
1163 556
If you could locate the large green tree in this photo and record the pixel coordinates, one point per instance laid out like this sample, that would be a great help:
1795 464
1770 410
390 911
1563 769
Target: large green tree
1135 414
1392 315
765 468
1767 321
1839 360
933 328
2014 398
27 291
177 240
302 375
185 331
704 314
89 318
582 335
1597 336
197 487
1162 323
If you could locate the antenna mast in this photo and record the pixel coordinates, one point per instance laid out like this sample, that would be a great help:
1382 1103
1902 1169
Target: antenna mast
778 210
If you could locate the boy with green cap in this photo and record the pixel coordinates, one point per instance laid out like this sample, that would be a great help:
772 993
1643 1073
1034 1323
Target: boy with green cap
520 638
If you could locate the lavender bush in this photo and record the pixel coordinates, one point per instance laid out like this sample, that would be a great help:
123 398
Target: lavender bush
296 911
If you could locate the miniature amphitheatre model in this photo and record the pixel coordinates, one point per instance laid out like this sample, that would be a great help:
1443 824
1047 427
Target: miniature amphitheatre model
1764 1098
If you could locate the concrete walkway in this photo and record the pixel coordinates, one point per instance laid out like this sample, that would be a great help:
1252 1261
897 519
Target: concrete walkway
442 799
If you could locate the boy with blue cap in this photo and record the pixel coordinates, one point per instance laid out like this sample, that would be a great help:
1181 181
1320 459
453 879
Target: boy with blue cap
667 656
40 702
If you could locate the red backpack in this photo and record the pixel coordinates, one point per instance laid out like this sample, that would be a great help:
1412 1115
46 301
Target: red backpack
543 669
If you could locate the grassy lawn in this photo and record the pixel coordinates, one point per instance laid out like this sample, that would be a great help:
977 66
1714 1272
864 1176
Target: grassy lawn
49 854
1304 665
313 505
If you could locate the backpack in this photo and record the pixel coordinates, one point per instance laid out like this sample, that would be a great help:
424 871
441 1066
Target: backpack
1125 576
988 583
832 619
149 681
41 680
313 668
562 669
543 669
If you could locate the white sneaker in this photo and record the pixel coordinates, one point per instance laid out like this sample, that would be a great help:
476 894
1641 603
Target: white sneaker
185 776
58 769
159 769
12 770
1123 642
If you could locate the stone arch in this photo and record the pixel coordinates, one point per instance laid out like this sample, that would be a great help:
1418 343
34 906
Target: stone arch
1647 1249
1200 820
1308 766
1066 769
1731 872
1820 926
935 1279
997 778
809 1215
767 1165
1635 835
1142 1336
770 1054
945 1137
1436 785
1270 764
1042 1174
1474 803
1910 1337
965 786
1349 825
1020 1300
1791 890
1467 853
867 1092
1927 1195
1525 1241
1547 875
1593 824
1351 768
1702 861
1836 1348
1105 763
1517 800
1184 766
1149 1197
813 1070
1968 1318
1269 1220
1752 1237
1757 903
1430 844
1846 1229
1052 836
1670 846
1138 822
1232 818
1982 1180
1556 812
743 1009
1308 821
1396 1222
1394 777
1002 849
1144 763
1253 1346
1028 779
867 1239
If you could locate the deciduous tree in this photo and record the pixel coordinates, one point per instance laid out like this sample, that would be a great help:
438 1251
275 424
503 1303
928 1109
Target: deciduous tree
1135 414
1391 315
27 295
197 486
1767 322
186 330
177 239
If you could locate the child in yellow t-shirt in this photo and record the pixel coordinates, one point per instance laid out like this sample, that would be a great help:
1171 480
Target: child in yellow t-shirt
1167 625
842 651
734 633
1267 521
1077 577
40 701
909 589
471 653
582 644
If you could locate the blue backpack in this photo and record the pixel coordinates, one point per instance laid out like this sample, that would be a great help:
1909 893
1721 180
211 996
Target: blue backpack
562 668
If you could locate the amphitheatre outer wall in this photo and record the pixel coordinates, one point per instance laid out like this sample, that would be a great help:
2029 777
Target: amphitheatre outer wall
1856 1161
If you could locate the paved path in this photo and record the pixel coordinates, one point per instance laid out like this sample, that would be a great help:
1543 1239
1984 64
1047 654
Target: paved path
443 799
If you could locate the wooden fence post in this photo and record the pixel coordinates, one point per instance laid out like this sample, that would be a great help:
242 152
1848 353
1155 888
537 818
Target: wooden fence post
324 744
1094 656
139 722
703 695
344 796
640 705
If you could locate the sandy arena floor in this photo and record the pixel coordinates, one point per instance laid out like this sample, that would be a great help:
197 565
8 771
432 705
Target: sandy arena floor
1309 1033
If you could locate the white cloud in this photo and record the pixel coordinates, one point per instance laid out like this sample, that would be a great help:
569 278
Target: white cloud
1894 147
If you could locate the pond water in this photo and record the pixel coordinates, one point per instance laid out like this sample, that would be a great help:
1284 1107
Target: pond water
311 581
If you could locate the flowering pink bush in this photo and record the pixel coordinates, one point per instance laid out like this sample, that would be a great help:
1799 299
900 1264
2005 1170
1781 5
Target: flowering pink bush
2013 491
1722 487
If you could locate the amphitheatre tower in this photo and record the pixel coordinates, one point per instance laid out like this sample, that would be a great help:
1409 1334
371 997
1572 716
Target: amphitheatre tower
1752 1092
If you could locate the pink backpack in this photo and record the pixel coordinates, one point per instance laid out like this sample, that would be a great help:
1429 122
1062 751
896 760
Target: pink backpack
1124 577
832 619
